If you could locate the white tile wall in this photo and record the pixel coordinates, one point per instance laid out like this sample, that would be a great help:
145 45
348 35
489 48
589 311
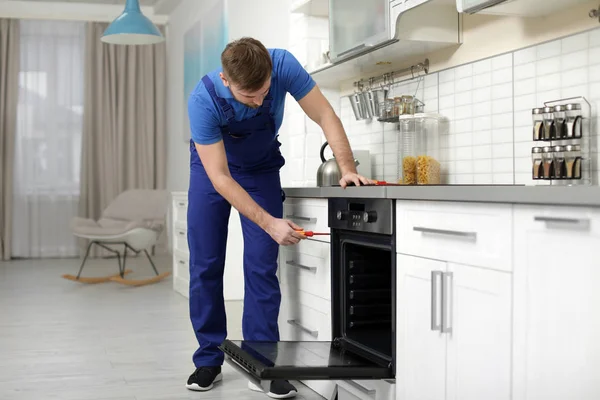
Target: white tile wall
488 103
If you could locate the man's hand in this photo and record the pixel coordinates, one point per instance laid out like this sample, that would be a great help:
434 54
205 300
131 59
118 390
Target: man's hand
352 177
284 232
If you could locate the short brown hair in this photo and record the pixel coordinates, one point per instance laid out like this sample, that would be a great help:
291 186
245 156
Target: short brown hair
247 63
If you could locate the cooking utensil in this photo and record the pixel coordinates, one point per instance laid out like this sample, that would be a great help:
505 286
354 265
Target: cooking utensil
329 173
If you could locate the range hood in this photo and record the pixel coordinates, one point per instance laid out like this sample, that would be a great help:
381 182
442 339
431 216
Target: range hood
385 37
523 8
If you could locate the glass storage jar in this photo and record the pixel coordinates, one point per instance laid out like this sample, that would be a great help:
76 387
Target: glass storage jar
549 129
559 162
560 122
429 129
407 164
573 161
536 160
548 162
573 120
538 123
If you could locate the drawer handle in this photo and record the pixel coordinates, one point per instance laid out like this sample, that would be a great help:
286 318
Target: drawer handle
306 267
360 388
181 262
583 223
182 204
300 218
470 235
303 328
181 233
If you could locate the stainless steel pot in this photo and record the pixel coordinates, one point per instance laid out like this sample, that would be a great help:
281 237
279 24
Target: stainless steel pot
358 104
329 173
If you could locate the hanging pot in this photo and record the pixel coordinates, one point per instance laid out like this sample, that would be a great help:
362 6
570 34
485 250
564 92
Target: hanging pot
358 104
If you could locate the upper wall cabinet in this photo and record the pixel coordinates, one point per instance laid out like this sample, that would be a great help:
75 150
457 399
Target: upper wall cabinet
521 8
372 37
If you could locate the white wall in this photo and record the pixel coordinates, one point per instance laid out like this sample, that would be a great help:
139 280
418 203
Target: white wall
488 141
244 18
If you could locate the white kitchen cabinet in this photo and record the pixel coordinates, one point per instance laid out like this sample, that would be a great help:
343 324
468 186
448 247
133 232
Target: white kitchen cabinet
479 344
233 281
420 350
556 298
453 331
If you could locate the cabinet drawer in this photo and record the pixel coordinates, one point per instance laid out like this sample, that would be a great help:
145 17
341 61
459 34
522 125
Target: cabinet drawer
467 233
311 215
181 265
180 205
180 238
306 267
300 321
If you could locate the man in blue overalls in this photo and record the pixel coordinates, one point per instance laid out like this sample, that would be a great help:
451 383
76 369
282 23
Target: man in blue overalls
235 113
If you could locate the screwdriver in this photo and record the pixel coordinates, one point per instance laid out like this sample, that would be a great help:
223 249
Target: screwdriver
311 233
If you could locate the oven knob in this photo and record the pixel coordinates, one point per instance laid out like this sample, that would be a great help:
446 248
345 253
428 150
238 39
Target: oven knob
342 215
370 216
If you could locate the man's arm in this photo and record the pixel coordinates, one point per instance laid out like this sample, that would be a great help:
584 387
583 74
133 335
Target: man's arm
214 159
316 106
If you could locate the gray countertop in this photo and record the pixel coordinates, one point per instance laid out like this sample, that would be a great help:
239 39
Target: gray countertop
515 194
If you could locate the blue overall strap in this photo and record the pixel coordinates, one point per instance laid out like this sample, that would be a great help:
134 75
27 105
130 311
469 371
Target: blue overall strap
268 100
225 107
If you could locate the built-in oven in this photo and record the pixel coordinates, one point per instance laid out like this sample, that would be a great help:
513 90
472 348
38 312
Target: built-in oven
363 285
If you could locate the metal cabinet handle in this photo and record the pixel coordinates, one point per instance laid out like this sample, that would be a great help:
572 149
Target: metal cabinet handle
265 385
471 235
182 204
435 326
181 233
301 218
181 262
360 388
447 286
306 267
303 328
583 223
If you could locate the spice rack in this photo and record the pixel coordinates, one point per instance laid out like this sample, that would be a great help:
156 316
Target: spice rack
562 128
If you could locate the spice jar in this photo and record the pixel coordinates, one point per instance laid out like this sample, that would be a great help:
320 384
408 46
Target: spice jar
549 128
398 108
560 121
538 123
536 159
573 161
408 103
548 162
559 162
573 120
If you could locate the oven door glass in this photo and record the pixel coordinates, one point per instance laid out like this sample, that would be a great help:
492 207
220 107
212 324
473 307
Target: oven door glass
301 361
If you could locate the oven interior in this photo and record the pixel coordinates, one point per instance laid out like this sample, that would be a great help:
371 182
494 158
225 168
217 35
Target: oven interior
365 282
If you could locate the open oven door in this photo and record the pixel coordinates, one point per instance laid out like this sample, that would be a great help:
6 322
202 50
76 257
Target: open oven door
265 361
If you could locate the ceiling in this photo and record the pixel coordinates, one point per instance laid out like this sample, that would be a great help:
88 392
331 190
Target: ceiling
142 2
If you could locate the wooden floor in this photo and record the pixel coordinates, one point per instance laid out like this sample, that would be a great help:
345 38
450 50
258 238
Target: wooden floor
69 341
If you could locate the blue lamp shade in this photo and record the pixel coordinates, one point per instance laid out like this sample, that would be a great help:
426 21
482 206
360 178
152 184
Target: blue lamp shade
132 27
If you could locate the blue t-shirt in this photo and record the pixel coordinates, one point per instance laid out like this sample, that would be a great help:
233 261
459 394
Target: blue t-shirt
206 117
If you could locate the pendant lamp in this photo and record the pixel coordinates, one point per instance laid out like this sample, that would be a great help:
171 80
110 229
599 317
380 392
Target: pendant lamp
132 27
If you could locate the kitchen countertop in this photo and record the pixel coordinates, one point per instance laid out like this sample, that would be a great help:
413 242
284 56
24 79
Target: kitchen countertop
514 194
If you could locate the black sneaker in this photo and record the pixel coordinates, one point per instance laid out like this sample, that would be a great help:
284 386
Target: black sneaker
203 378
278 390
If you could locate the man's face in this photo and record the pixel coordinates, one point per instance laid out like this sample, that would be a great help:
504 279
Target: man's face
250 99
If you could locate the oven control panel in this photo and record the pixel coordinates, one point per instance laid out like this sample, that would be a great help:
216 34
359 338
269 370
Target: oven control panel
362 215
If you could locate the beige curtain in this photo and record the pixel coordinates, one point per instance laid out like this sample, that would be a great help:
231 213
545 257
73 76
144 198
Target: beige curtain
124 128
9 98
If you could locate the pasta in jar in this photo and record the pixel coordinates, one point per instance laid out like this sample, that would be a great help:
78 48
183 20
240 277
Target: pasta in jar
428 170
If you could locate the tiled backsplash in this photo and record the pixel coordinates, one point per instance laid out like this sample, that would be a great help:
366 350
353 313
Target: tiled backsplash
488 103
